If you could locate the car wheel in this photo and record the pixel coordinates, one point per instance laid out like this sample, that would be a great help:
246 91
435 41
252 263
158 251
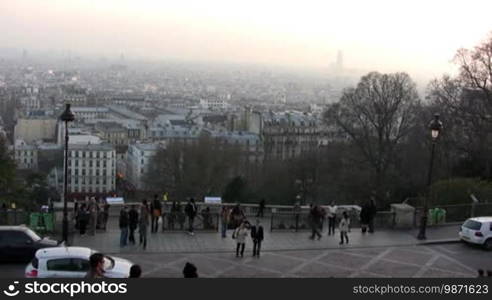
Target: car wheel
488 244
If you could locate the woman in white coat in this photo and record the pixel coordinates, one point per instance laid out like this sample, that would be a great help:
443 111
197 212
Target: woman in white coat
240 235
344 227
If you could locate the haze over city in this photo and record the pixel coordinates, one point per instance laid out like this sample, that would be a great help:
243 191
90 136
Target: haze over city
419 37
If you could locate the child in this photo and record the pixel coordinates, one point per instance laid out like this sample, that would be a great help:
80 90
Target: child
344 227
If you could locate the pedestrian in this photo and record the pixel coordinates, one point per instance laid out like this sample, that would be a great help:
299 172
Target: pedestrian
257 237
364 217
106 207
191 210
180 216
135 271
296 210
173 215
481 273
124 222
96 266
331 216
143 223
207 224
240 235
190 271
372 213
261 208
93 210
82 218
224 218
344 228
315 220
156 209
237 216
132 223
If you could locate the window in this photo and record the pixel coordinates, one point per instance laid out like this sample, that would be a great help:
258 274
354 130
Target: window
104 164
76 162
68 264
90 164
83 172
16 237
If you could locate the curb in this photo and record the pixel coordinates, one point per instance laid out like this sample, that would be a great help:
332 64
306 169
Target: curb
438 242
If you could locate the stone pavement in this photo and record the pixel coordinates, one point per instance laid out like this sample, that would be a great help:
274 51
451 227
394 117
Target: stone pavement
408 261
181 242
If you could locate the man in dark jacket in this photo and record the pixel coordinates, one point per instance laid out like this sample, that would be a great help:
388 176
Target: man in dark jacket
133 223
191 211
124 226
156 210
257 237
315 220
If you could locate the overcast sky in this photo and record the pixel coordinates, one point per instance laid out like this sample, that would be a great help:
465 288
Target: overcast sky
419 36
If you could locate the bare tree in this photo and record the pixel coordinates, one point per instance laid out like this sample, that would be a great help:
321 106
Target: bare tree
466 101
377 115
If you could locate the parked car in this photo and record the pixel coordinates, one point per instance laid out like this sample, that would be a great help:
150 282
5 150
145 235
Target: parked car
19 243
477 231
73 262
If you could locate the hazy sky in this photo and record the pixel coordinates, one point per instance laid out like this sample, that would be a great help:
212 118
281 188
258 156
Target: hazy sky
419 36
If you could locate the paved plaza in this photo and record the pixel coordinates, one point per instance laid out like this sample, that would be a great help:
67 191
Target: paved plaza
386 253
410 261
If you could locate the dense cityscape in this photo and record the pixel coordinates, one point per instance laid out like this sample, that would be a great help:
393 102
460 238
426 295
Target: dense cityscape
128 165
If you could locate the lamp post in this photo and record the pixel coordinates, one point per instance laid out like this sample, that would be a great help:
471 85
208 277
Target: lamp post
435 127
67 116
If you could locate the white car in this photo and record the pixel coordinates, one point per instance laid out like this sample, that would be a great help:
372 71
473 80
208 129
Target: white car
477 231
72 262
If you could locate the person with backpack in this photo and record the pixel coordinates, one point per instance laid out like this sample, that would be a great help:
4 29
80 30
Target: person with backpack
191 210
344 227
257 237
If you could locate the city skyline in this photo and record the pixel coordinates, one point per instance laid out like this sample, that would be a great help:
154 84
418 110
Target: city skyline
381 35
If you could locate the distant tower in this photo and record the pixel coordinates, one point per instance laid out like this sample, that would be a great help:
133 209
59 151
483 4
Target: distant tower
339 63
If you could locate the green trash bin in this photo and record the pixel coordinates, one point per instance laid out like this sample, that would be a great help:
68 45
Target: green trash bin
34 220
48 222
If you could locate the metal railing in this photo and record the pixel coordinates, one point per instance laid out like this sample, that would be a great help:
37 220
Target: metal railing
178 221
12 217
302 221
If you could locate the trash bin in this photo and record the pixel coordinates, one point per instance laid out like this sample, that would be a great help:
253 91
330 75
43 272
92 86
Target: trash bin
48 222
403 215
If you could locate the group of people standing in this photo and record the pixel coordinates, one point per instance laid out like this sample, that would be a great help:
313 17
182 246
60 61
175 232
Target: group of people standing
132 219
241 233
91 215
317 215
235 218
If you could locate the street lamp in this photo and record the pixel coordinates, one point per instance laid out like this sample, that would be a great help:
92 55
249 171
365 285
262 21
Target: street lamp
435 127
67 116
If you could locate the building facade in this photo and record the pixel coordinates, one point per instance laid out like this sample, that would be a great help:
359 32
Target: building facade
91 169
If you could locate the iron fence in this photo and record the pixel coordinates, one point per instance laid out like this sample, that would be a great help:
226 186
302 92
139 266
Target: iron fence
301 221
178 221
